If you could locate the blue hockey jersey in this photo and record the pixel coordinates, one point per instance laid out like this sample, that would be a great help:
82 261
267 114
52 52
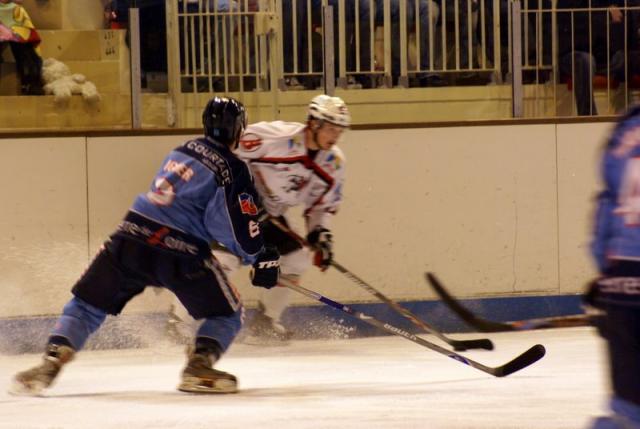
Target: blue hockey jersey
202 193
617 226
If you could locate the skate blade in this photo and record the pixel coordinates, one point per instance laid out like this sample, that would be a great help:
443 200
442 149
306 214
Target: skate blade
18 388
196 385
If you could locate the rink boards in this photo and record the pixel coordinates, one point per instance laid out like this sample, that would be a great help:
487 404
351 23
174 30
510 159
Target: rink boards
498 211
28 334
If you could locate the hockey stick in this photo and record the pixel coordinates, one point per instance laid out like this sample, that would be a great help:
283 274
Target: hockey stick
458 345
484 325
522 361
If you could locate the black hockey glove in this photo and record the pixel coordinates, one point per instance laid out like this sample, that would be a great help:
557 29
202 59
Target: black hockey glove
321 241
592 295
266 269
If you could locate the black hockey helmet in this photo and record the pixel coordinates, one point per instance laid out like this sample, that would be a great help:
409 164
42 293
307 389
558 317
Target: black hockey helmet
224 120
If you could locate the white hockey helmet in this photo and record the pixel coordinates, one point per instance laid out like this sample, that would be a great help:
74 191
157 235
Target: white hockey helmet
329 109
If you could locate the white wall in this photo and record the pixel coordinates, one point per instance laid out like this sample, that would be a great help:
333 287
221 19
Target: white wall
43 223
494 210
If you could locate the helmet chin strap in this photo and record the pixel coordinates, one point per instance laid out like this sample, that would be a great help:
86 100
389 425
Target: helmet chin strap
314 132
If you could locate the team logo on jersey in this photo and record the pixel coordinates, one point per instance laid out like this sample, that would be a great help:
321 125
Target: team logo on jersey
296 183
247 206
335 161
250 142
294 142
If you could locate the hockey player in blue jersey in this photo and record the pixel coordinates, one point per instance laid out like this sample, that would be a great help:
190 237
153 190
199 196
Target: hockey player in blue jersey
616 248
203 193
295 165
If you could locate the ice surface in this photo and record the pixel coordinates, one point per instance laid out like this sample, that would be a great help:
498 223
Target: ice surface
381 382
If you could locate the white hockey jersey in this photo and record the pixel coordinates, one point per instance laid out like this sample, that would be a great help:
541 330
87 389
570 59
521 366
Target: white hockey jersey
286 175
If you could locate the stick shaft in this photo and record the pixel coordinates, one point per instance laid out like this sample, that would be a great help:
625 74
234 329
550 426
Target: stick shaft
486 325
482 343
479 343
518 363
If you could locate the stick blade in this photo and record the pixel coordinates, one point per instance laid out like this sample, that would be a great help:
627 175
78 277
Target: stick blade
481 343
467 316
534 354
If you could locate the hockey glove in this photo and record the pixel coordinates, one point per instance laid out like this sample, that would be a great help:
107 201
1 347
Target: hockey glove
321 241
266 269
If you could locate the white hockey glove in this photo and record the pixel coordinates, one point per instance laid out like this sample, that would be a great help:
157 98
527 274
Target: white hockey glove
321 241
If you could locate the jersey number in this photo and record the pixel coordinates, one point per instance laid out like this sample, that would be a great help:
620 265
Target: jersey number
254 228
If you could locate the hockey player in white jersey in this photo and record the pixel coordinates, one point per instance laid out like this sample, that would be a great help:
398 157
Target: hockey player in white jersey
293 164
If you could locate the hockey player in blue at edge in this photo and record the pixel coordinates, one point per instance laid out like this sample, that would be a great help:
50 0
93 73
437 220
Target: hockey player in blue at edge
202 193
616 249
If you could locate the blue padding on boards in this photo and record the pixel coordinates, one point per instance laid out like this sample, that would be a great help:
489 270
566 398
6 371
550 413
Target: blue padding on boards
326 322
29 334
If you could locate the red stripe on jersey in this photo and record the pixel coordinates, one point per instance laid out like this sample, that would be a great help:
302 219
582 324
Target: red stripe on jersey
302 159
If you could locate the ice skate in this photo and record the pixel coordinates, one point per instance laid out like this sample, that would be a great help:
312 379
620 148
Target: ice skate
264 330
199 376
33 381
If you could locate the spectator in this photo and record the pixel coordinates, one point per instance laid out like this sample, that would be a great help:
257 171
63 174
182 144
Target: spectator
17 30
428 13
534 20
193 39
211 35
489 29
633 39
153 37
293 57
581 55
463 59
153 34
539 30
116 14
361 76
